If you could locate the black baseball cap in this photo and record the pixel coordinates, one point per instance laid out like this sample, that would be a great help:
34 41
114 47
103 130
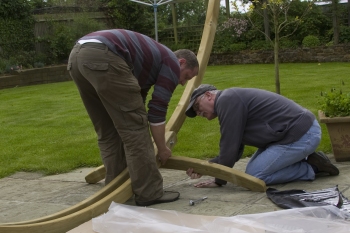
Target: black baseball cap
197 92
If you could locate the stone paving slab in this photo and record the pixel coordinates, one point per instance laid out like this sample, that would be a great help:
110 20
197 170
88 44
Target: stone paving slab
26 196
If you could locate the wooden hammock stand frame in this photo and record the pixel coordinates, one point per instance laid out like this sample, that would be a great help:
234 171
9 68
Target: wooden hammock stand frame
119 190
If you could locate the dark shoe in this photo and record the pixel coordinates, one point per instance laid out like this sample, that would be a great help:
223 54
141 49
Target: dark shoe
168 196
322 163
323 155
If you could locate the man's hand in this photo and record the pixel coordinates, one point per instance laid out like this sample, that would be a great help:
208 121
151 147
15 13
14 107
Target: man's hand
207 184
193 174
163 155
204 184
158 133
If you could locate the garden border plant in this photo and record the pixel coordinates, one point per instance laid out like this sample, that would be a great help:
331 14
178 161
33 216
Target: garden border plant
335 113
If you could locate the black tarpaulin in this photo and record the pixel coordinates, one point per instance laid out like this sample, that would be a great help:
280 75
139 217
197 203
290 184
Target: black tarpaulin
294 198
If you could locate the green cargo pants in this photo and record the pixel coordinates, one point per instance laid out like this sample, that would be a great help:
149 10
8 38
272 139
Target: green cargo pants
111 95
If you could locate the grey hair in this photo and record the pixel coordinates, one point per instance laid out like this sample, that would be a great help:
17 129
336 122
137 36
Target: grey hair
214 92
189 56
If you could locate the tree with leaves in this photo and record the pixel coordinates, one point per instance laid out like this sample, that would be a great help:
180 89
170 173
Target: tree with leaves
16 27
131 16
278 14
15 9
265 15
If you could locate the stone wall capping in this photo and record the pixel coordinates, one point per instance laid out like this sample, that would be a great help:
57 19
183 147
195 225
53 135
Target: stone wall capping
338 53
49 74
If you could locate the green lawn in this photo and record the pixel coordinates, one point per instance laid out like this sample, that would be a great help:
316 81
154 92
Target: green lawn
45 128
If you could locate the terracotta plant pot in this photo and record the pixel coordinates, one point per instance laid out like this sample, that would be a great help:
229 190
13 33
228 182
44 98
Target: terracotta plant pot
339 134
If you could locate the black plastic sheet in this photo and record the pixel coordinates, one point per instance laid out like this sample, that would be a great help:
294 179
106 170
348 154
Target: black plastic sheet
294 198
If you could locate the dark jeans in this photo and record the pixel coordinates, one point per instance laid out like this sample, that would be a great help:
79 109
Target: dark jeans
280 164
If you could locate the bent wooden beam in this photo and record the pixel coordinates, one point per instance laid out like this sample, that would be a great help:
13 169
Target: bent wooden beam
68 222
124 193
178 117
96 175
105 191
216 170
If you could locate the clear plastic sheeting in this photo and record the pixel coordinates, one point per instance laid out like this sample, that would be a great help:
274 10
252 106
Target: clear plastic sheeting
123 218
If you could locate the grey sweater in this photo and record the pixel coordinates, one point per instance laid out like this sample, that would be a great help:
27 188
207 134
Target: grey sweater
258 118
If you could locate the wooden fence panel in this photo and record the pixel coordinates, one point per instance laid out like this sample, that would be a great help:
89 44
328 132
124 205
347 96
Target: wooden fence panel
41 28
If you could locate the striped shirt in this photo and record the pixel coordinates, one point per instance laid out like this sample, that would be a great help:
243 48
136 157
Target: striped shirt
152 63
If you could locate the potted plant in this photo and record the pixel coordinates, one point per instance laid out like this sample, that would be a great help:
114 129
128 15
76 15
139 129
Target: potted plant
335 113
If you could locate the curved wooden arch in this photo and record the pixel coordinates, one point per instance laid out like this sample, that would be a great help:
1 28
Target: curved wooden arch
119 190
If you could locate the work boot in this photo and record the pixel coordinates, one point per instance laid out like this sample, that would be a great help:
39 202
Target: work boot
168 196
321 162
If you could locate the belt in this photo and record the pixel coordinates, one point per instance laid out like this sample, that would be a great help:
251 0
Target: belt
94 45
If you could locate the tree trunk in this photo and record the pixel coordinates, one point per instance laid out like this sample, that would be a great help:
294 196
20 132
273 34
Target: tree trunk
228 8
266 23
173 13
335 22
348 13
277 66
276 56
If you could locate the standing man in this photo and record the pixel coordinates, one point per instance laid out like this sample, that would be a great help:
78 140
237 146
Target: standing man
285 134
114 70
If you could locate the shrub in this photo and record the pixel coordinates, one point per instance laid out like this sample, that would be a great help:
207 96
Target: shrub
236 26
6 65
237 47
62 36
16 27
311 41
288 44
336 103
222 43
260 45
16 36
344 36
39 64
3 65
83 25
231 35
40 58
24 58
61 41
15 9
330 43
10 68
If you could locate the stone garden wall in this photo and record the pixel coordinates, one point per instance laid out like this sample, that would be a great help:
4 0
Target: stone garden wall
35 76
340 53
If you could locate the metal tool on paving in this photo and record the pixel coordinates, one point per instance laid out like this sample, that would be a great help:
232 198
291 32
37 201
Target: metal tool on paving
193 202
